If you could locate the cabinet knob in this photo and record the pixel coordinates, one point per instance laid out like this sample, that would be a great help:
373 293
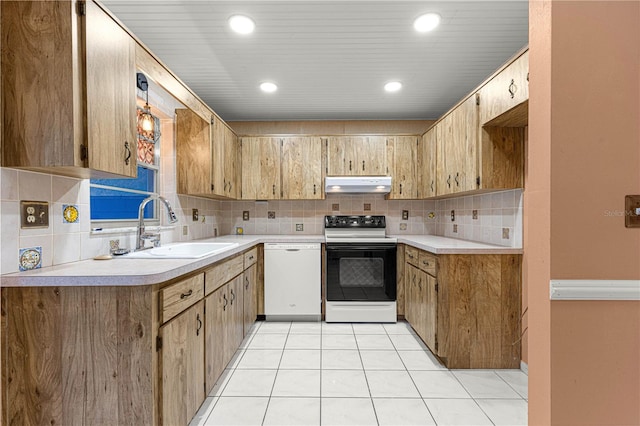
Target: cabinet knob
127 153
513 88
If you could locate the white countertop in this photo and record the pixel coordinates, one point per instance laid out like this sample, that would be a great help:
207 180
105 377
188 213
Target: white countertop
122 271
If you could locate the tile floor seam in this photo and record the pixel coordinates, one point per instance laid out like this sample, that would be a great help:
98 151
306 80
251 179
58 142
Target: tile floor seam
366 379
275 378
509 384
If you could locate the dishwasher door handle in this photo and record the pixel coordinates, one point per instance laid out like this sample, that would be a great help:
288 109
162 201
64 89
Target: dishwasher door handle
293 249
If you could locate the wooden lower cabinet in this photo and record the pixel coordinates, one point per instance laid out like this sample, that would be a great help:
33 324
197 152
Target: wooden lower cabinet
466 307
249 298
182 366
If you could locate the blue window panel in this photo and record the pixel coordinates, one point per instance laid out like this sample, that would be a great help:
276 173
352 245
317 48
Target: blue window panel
144 181
111 204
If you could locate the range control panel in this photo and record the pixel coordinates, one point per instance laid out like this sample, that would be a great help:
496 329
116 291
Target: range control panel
354 222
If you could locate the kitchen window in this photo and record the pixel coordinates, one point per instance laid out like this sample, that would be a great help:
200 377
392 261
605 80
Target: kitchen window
118 200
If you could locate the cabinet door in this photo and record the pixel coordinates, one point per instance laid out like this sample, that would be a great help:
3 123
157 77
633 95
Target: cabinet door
462 157
404 162
218 154
260 168
302 168
443 141
427 165
217 305
409 288
235 323
231 164
249 297
340 154
421 303
193 153
182 366
506 90
110 76
371 157
431 313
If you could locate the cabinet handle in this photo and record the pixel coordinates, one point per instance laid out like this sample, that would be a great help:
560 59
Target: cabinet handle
420 284
187 294
251 257
349 165
225 185
233 297
363 165
314 189
449 181
513 88
199 321
400 188
274 189
246 281
224 307
432 186
127 155
230 185
410 256
456 179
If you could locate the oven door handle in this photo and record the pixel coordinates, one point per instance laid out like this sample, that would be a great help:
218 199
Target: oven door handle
363 246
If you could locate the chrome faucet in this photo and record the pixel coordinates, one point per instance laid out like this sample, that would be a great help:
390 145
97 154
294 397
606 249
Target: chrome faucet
141 235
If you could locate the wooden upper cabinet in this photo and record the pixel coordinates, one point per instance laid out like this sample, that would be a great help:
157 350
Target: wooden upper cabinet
505 91
226 160
457 149
402 156
193 154
260 168
80 118
356 156
427 164
302 168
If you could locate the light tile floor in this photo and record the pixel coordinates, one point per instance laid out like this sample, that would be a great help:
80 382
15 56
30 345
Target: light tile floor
355 374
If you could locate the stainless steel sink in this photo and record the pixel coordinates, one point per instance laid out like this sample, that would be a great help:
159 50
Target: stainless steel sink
182 251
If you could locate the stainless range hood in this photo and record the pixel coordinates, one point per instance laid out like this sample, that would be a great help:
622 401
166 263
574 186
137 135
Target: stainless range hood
357 184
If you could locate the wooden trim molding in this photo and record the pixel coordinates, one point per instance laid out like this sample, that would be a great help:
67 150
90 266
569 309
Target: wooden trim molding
594 289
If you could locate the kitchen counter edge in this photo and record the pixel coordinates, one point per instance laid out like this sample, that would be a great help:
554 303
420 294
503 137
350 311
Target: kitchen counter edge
139 272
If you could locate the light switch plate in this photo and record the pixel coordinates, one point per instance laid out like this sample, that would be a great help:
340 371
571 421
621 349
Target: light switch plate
453 215
632 211
34 214
194 214
245 215
474 214
405 214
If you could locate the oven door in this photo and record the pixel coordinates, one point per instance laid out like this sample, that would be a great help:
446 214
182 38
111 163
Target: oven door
361 272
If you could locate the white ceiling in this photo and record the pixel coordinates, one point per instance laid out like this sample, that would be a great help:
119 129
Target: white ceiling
330 59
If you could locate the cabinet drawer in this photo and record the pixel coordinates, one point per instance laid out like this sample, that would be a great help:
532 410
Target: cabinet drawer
411 255
222 273
427 262
250 257
179 296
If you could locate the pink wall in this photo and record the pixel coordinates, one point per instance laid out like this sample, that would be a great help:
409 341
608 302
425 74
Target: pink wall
584 157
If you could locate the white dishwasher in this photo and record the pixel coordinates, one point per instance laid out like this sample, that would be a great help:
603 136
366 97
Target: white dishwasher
292 275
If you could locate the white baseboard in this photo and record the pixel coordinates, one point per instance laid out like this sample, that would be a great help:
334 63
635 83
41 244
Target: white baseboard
594 289
524 367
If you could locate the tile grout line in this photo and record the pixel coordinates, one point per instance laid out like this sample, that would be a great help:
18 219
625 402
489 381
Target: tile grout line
472 397
364 372
273 385
509 384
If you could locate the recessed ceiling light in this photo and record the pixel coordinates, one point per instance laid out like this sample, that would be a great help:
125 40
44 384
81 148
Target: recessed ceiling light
426 22
393 86
268 87
242 24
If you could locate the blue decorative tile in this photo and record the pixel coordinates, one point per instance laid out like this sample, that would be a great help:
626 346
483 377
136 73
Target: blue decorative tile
30 258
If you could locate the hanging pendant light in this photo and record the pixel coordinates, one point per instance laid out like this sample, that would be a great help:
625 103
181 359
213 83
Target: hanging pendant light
145 120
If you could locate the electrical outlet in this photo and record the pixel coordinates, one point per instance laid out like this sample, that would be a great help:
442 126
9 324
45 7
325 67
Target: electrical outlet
185 230
405 214
367 207
455 228
474 214
245 215
35 214
194 214
299 227
505 233
453 215
271 215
